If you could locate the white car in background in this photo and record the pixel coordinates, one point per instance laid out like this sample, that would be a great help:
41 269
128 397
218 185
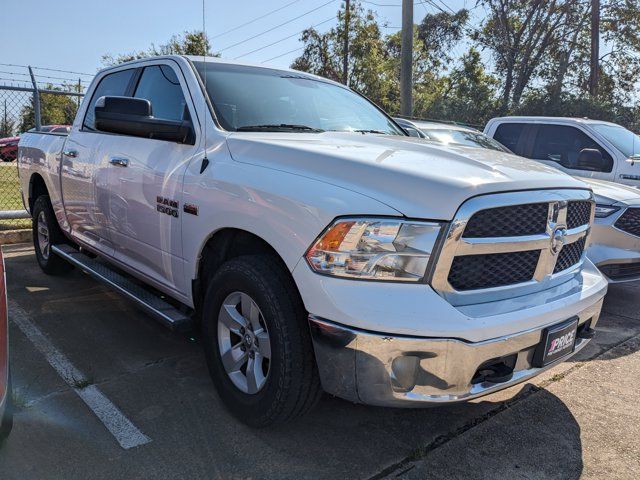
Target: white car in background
615 241
450 134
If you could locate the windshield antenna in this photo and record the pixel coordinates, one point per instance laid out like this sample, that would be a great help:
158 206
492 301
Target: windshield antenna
205 160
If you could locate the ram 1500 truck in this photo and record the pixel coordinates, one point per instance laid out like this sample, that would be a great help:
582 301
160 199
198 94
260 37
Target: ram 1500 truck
317 245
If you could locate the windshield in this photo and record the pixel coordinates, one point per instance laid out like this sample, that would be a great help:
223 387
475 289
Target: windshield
624 140
262 99
467 138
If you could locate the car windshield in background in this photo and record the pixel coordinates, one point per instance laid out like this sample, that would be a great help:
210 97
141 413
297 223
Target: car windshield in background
262 99
624 140
466 138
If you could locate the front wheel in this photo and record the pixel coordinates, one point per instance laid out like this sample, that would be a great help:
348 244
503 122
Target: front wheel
47 233
257 342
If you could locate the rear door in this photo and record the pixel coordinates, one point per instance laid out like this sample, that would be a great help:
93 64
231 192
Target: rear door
81 176
144 182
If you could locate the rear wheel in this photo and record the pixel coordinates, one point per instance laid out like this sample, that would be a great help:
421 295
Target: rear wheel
257 342
47 233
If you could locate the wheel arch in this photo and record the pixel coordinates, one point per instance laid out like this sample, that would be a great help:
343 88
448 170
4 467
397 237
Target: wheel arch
37 187
225 244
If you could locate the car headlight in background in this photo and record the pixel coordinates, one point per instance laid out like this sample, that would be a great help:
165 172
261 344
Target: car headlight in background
603 211
375 249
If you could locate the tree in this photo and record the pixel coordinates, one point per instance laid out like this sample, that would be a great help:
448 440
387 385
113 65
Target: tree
367 72
439 32
189 43
7 123
520 34
55 109
374 60
469 95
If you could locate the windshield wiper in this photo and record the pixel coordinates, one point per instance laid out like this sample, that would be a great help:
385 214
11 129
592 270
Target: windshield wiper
371 131
278 126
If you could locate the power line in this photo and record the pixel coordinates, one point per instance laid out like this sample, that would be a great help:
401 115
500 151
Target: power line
283 54
432 2
49 69
276 27
75 80
254 20
283 39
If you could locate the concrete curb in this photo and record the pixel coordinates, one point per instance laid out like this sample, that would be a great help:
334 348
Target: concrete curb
15 236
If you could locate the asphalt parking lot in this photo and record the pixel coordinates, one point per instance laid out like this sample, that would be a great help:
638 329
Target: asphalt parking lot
103 391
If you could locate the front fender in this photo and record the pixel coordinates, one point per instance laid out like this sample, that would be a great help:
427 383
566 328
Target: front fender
286 210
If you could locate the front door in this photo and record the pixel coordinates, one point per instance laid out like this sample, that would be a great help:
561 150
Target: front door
144 183
560 146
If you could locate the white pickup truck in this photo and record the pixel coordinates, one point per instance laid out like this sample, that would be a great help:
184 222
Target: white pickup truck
316 245
578 146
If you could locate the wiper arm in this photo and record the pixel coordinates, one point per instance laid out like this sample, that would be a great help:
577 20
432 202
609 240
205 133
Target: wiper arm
371 131
278 126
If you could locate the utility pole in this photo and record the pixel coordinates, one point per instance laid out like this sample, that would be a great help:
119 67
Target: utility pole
406 53
595 48
345 54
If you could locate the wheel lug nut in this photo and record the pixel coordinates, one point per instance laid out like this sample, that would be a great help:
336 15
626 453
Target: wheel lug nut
243 348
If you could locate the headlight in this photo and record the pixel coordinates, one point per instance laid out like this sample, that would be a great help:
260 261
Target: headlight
603 211
375 249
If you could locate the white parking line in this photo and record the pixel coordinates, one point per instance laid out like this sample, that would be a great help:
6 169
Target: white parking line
125 432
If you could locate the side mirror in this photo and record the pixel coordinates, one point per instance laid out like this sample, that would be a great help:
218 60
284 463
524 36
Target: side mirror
134 116
591 159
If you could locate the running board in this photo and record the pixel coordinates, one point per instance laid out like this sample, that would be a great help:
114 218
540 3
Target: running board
163 311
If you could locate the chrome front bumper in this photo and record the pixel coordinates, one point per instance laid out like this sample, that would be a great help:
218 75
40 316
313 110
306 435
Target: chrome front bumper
377 369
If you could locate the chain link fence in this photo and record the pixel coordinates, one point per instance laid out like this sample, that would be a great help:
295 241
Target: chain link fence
30 99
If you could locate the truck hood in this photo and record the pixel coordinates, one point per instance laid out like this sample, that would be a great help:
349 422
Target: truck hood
608 193
416 178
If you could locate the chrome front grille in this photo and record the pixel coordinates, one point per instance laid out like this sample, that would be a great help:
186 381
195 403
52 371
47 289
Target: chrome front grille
503 245
498 222
578 213
471 272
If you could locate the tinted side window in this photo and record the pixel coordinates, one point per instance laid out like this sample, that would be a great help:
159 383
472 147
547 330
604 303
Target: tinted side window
508 134
563 144
160 85
113 84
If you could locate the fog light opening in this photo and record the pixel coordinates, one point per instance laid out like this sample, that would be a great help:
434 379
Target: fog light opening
403 373
497 370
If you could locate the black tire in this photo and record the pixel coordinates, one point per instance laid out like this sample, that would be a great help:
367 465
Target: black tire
6 422
50 263
292 385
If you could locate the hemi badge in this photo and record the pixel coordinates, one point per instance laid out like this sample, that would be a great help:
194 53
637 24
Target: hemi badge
190 208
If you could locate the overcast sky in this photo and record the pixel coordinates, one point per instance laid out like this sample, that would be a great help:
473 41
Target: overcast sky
74 34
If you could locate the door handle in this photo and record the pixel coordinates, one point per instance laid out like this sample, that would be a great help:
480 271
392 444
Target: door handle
70 153
119 161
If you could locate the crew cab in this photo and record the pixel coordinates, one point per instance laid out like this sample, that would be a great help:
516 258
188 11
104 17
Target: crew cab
579 146
315 244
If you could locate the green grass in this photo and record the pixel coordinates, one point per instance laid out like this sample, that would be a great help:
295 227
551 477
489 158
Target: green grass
10 198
